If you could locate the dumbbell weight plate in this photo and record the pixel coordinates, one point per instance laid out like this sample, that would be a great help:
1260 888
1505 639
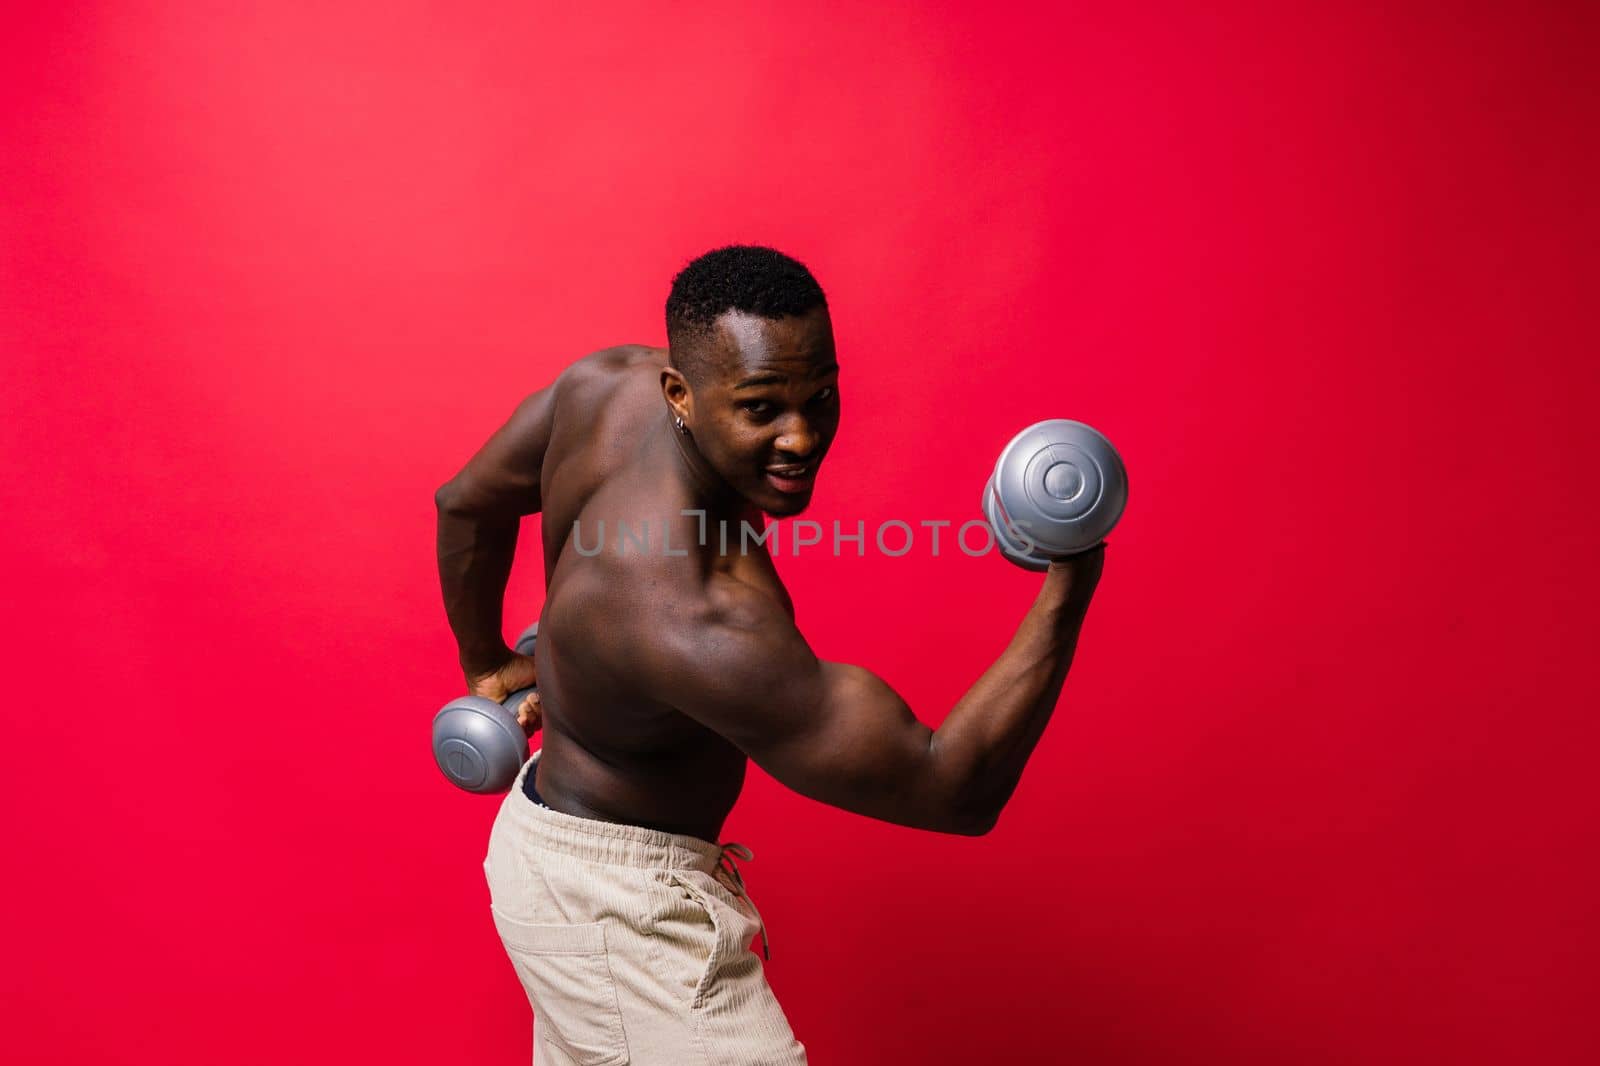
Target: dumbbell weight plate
1063 484
477 742
1013 548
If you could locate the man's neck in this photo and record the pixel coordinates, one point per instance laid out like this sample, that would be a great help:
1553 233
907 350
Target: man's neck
710 492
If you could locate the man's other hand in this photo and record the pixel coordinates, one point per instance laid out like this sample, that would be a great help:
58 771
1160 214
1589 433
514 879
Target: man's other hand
516 673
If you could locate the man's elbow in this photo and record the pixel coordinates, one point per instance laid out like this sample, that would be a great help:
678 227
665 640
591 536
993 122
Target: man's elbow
968 820
977 805
962 808
973 822
451 496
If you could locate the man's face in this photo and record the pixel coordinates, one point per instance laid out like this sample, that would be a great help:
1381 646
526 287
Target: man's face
769 407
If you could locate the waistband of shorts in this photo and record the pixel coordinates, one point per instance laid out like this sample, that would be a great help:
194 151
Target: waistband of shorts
609 842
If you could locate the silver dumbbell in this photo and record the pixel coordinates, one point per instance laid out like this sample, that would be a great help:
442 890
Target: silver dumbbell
1058 488
477 742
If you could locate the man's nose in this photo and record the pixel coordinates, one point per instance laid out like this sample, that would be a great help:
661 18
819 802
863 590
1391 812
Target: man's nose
797 437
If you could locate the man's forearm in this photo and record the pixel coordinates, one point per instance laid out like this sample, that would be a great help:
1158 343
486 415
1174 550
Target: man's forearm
475 556
986 740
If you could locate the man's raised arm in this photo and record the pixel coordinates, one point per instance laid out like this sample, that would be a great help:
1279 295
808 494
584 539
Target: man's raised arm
480 512
841 735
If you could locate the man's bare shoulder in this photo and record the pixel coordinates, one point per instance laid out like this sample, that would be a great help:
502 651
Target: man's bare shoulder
730 659
607 365
735 630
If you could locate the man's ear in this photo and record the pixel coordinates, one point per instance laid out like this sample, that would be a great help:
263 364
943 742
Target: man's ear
675 388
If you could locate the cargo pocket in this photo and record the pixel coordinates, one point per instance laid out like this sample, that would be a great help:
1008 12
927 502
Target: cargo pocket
565 972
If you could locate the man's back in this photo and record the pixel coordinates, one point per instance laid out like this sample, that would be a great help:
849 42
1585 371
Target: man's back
623 563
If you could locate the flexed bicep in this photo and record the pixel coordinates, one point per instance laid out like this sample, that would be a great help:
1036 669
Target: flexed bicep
832 731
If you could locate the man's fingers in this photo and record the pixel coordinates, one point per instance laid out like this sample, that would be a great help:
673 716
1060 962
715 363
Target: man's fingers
529 713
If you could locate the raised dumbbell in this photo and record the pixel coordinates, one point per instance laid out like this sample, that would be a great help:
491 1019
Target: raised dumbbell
477 742
1057 489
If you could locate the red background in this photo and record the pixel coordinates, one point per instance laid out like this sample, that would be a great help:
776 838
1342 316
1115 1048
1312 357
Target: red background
1320 789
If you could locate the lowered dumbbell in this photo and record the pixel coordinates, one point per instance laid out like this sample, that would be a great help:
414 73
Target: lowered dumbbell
477 742
1057 489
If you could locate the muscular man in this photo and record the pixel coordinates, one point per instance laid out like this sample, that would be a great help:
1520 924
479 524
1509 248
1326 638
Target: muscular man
665 660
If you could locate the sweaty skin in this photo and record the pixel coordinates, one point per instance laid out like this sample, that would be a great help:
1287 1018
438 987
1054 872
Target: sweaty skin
663 668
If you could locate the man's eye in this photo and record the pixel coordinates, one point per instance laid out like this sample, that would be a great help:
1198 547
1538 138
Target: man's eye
823 394
756 407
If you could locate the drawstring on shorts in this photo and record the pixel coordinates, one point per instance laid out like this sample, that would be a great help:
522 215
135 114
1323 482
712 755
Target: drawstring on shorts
726 864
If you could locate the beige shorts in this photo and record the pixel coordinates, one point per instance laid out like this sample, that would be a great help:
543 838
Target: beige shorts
633 945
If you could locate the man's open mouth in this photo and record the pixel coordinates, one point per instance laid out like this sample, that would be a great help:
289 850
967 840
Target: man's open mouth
793 477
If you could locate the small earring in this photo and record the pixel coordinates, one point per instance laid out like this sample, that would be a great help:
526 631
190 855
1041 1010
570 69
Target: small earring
681 427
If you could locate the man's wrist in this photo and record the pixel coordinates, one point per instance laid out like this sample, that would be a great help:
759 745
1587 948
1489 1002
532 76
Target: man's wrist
485 660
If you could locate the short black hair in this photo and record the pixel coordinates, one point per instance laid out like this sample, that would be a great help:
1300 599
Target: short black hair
739 277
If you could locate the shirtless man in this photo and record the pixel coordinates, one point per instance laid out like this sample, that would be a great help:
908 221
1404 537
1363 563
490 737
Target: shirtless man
664 664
